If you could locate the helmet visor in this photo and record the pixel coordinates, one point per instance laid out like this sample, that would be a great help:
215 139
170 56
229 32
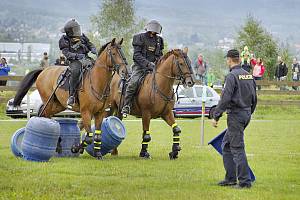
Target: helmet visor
154 27
76 31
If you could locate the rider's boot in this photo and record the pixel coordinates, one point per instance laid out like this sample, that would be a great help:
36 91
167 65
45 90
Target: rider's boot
125 111
71 102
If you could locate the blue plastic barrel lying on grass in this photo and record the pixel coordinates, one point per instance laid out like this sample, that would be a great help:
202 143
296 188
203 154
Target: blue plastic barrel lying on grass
40 139
16 141
69 135
113 132
217 144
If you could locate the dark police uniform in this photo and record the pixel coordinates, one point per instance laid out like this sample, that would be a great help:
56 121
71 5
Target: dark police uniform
147 51
75 49
239 99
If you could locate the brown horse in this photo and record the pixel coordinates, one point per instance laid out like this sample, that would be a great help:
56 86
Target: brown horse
156 96
92 94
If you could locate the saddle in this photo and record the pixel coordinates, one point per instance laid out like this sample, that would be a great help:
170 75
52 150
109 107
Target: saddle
64 78
123 83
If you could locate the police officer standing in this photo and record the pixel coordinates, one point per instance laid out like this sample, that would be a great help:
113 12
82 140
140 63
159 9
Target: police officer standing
148 48
239 100
75 46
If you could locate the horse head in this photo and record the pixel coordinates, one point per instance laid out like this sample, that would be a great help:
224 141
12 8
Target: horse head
115 55
181 68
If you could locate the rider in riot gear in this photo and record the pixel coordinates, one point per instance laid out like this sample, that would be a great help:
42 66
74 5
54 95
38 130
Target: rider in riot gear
75 46
148 48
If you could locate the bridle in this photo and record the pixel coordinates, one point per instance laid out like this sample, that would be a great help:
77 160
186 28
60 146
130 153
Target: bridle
113 68
180 76
116 66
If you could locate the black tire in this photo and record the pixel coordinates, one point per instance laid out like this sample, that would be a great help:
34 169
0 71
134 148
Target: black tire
212 110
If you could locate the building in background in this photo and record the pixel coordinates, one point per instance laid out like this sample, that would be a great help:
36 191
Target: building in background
29 52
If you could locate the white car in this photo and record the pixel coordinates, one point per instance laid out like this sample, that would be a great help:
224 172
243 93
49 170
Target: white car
189 102
35 105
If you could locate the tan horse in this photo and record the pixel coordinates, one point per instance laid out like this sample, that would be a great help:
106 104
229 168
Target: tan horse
92 94
156 96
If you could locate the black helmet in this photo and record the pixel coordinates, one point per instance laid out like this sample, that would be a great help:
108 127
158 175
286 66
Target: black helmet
72 28
153 26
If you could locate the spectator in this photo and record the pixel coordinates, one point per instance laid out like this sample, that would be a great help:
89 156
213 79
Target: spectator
62 61
200 68
4 69
211 78
44 61
295 72
3 63
246 59
281 72
258 70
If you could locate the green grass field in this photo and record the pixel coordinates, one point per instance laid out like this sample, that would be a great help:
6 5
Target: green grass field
272 146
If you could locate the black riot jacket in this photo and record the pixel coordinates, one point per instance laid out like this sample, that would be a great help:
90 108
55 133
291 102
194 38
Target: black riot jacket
146 49
71 48
239 93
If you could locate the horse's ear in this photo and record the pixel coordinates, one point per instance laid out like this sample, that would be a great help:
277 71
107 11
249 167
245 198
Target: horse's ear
113 42
185 50
121 41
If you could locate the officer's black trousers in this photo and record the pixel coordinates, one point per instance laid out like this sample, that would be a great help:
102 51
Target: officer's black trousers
75 68
233 147
133 85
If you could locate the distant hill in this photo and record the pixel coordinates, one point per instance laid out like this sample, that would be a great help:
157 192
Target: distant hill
184 22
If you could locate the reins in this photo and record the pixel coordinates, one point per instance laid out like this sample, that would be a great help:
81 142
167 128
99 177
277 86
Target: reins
115 67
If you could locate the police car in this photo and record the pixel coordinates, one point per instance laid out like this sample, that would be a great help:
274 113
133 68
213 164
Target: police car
189 101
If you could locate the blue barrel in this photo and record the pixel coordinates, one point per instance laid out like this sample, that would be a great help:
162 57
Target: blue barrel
40 139
113 132
217 144
69 135
16 141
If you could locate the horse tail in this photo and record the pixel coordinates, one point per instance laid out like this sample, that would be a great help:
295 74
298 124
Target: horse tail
25 85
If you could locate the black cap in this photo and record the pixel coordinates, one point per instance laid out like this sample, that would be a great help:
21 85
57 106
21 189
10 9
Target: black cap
233 53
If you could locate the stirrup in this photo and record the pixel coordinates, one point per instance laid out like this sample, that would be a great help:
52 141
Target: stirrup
70 102
125 111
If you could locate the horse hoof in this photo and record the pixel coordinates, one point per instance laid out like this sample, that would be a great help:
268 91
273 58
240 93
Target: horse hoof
173 155
114 152
99 158
81 150
145 155
98 155
74 148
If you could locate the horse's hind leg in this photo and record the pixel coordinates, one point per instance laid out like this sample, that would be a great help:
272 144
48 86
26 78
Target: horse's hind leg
146 116
114 110
51 108
169 118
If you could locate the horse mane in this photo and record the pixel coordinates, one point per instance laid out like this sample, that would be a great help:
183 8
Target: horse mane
102 48
168 54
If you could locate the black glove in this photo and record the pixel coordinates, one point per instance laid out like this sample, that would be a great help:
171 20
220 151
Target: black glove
80 56
94 51
151 65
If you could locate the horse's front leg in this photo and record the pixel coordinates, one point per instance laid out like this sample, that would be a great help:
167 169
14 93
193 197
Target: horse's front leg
88 138
98 137
146 116
169 118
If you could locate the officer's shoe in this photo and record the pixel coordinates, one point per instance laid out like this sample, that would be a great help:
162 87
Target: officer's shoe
242 186
71 102
125 111
227 183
